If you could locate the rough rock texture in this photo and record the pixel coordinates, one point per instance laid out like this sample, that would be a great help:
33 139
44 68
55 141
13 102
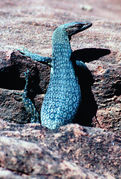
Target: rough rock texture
12 69
107 90
29 150
72 151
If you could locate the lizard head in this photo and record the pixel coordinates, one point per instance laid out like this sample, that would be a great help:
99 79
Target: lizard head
76 27
65 31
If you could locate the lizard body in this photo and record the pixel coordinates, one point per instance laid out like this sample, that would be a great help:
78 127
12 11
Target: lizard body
63 96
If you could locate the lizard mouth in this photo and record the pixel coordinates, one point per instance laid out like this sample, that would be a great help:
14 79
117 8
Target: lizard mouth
77 27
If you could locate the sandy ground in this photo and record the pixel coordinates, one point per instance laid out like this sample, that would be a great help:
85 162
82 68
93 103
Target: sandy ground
30 23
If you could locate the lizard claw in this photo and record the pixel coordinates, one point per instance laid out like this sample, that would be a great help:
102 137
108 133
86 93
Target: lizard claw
23 51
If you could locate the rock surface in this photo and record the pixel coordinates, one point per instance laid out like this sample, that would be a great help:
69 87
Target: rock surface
29 150
70 152
12 70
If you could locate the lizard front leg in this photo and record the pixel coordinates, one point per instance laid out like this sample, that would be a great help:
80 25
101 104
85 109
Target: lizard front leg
29 106
36 57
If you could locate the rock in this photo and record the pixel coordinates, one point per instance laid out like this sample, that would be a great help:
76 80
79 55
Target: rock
86 7
15 67
11 106
72 151
12 70
8 174
107 91
91 46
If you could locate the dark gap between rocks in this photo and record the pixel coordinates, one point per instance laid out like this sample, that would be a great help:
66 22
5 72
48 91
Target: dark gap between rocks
10 79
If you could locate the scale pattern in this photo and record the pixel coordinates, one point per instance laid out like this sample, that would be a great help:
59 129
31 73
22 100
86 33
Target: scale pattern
63 95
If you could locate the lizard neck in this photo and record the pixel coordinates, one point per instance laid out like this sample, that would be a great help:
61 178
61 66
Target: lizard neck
61 49
61 53
61 63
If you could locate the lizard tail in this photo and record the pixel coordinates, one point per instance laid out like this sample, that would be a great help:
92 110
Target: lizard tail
29 106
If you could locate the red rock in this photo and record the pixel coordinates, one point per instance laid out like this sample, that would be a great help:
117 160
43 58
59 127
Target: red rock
71 151
29 150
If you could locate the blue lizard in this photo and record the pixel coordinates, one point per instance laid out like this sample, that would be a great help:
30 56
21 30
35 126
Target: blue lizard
63 96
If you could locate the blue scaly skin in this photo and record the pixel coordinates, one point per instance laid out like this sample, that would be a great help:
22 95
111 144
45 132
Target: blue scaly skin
36 57
30 108
63 96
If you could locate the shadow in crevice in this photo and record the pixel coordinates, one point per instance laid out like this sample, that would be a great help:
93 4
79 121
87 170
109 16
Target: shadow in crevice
88 107
10 79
